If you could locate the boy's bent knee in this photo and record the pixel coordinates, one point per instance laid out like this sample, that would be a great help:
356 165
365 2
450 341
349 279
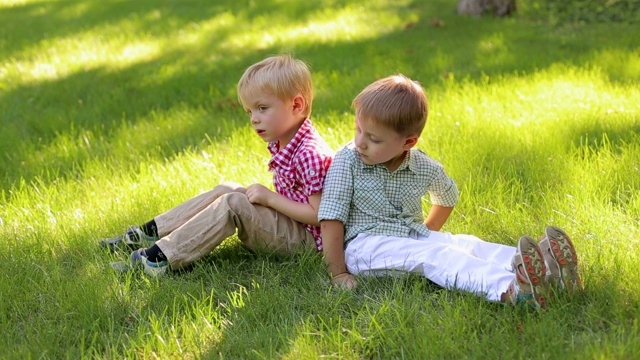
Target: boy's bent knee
237 201
229 187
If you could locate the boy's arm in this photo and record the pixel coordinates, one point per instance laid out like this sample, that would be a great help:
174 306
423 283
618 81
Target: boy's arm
333 249
304 213
437 216
444 196
311 168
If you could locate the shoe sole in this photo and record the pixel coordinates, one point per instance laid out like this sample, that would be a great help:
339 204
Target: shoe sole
113 244
533 263
564 254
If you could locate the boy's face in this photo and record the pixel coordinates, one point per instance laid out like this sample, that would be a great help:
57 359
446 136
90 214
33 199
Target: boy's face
274 119
379 144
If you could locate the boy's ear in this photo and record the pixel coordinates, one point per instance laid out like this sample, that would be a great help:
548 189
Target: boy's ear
298 104
410 142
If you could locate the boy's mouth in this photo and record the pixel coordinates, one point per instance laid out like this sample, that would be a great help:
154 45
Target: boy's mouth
260 132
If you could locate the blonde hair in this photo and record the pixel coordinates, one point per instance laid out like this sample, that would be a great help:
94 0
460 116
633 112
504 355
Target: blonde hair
395 101
282 76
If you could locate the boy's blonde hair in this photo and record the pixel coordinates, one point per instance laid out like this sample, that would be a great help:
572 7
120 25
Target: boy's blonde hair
395 101
282 76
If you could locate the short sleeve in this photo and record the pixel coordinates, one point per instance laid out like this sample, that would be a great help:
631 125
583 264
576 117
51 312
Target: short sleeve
443 190
338 189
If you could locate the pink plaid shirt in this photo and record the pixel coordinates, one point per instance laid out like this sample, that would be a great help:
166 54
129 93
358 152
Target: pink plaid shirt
300 168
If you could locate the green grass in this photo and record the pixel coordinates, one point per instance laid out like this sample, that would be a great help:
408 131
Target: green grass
115 111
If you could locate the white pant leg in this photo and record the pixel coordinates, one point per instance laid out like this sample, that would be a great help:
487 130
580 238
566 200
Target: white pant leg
498 254
439 258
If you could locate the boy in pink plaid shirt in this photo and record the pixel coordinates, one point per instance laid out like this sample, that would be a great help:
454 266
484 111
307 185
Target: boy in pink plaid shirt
277 94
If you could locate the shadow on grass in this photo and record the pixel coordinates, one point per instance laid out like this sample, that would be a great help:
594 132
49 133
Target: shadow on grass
49 21
201 79
188 79
60 303
263 298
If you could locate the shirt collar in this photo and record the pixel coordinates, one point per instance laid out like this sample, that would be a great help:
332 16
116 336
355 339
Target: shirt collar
412 160
282 157
408 162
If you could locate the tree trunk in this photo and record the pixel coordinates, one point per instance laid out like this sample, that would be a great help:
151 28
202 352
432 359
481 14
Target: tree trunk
480 7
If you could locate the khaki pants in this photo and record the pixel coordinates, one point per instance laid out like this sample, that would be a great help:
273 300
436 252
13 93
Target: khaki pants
194 228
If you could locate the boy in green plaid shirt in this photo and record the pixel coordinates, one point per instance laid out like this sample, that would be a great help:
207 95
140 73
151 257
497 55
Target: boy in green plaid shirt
371 212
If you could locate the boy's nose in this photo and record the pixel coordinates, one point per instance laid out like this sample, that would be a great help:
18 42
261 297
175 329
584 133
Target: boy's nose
358 142
254 120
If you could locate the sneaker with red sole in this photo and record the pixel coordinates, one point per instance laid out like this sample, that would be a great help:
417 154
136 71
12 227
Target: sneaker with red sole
529 286
561 258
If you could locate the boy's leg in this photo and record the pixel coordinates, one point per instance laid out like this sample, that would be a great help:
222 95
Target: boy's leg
495 253
265 229
438 259
258 227
165 223
179 215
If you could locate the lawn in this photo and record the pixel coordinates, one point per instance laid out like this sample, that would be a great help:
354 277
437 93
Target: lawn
114 111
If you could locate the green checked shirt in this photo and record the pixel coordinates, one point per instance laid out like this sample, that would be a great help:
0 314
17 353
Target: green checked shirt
371 199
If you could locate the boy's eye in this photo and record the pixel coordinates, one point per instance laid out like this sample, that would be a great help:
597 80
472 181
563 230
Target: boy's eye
262 108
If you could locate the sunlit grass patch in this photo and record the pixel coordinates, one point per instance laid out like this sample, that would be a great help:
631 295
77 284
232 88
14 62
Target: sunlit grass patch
113 112
135 37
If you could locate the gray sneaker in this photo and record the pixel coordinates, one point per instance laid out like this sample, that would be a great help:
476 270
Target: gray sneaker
139 261
133 238
561 258
529 285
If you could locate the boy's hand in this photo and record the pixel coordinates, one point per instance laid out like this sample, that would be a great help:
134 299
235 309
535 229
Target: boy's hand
344 281
259 194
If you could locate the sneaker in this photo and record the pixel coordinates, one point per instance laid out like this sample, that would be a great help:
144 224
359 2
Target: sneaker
529 286
155 269
561 259
133 238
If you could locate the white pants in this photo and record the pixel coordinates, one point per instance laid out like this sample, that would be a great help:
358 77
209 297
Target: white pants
462 262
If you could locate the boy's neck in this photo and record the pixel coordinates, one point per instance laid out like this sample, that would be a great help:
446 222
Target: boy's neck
286 138
393 164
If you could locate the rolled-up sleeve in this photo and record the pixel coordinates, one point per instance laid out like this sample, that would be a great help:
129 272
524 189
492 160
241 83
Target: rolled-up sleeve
443 190
338 189
312 167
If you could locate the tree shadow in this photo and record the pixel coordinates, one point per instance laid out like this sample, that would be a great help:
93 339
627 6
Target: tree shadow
181 78
198 79
51 21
